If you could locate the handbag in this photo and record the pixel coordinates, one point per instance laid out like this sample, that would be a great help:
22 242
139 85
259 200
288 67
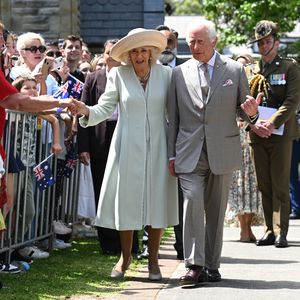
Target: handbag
86 196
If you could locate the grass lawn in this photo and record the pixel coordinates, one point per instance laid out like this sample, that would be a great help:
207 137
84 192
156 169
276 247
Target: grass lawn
80 270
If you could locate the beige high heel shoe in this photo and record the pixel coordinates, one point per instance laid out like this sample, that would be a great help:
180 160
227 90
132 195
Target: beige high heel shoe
155 277
119 274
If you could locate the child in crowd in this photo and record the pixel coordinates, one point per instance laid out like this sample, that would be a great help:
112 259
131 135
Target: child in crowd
26 148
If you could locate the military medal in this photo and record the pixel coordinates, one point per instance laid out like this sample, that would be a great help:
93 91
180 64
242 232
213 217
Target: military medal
277 79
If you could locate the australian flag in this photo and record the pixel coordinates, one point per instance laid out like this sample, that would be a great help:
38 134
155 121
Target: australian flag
72 88
43 175
70 160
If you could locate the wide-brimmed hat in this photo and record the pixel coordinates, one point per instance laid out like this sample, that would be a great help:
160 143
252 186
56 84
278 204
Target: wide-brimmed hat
138 37
263 29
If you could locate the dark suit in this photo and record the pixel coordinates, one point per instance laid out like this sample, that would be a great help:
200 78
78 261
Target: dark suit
272 156
178 245
92 139
178 228
180 61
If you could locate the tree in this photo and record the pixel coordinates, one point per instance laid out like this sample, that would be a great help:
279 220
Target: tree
186 7
236 19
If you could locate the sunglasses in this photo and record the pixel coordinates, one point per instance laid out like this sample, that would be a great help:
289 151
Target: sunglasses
52 53
34 49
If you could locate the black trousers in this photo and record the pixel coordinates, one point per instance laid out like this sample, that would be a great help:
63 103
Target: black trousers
110 241
178 228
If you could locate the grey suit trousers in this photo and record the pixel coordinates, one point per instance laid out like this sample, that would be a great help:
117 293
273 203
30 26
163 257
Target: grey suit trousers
205 199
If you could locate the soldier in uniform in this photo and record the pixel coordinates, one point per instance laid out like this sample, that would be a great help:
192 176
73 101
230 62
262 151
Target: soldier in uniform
272 152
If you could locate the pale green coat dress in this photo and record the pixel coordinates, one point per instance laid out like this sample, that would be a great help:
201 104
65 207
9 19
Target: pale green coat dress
137 189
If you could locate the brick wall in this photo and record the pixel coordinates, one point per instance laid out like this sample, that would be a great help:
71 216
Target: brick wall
105 19
53 19
94 20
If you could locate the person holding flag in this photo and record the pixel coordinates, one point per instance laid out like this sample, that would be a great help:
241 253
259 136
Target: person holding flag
43 174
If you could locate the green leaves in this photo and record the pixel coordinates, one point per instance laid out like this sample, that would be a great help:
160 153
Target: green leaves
236 19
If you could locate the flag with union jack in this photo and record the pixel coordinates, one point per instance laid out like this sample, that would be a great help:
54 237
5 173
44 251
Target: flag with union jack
72 88
70 160
43 175
63 92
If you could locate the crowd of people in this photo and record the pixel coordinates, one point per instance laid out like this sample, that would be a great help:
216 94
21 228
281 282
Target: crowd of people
166 141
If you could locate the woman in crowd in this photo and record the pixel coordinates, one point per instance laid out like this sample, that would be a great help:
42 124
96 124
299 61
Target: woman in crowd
244 197
137 189
31 47
98 62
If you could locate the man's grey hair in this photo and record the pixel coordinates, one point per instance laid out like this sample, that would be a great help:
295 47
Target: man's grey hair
210 28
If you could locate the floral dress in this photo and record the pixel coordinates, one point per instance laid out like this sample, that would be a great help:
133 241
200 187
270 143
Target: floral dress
244 196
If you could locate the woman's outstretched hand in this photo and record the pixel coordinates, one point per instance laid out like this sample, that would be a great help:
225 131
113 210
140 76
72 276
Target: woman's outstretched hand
79 108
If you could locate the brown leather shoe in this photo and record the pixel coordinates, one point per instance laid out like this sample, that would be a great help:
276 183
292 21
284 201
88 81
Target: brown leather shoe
194 276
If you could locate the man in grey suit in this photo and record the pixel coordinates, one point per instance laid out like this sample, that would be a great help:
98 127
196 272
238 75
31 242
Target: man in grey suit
205 97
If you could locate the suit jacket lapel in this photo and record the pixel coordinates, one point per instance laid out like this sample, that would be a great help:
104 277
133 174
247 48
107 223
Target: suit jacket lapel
191 78
218 73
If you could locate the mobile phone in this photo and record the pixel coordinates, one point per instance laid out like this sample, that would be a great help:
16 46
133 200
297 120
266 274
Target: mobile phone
45 67
58 62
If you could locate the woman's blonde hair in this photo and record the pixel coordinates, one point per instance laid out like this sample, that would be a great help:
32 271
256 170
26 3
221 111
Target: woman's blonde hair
95 60
25 38
155 53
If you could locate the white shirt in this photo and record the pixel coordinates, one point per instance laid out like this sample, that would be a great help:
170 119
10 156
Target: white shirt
210 64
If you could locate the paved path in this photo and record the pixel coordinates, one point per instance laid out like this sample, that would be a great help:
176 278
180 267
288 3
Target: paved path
248 272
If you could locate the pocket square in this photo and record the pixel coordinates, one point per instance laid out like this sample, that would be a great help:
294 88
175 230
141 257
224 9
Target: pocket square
228 82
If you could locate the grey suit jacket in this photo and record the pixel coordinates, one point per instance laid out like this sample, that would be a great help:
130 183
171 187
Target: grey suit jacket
191 121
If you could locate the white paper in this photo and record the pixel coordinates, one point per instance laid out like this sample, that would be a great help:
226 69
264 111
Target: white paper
265 113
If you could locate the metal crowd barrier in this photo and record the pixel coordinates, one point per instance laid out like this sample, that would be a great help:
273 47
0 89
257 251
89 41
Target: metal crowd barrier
47 206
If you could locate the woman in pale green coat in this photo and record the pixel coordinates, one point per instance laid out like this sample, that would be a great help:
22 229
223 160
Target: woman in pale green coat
137 190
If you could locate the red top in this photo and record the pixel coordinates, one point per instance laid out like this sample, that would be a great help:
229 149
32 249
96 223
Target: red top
6 89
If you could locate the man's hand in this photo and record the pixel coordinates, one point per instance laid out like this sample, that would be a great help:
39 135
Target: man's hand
250 106
172 167
262 128
84 158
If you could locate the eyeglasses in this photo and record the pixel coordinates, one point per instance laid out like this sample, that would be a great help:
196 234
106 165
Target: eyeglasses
34 49
54 53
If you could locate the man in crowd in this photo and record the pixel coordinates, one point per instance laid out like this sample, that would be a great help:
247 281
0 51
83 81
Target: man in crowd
169 58
72 51
272 155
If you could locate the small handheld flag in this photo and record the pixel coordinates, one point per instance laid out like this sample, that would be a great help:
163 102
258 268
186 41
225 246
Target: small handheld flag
70 160
43 174
72 88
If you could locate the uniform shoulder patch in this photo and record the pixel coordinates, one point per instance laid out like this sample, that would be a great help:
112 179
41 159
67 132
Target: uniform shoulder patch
291 59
